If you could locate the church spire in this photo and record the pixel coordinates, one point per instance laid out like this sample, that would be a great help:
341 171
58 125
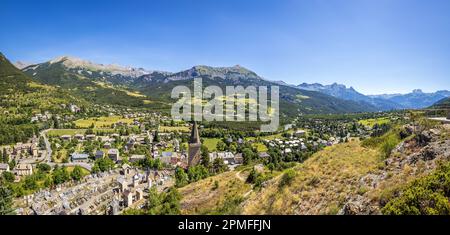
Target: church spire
195 137
194 147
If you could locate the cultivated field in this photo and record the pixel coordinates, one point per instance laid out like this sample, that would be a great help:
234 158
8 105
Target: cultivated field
102 122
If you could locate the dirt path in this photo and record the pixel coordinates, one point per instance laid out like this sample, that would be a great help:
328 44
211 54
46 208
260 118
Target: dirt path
239 176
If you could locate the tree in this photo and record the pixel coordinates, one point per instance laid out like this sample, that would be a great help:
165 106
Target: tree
156 137
6 201
181 178
197 173
77 173
248 155
233 147
219 166
251 178
45 168
60 175
48 182
153 202
12 164
171 202
183 147
205 156
55 122
89 131
221 146
102 165
8 176
5 157
41 142
30 183
271 167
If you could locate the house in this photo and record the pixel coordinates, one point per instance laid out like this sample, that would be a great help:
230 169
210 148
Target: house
166 157
136 158
23 169
287 127
130 144
228 157
74 109
66 137
4 167
90 137
140 140
79 136
299 133
238 159
99 154
34 150
107 145
113 154
263 155
115 135
79 157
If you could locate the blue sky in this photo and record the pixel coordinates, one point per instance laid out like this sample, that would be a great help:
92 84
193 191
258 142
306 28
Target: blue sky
376 46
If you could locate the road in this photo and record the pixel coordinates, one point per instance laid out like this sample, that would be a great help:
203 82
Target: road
440 119
47 155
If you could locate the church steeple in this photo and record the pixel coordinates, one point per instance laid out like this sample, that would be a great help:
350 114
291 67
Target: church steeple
194 147
195 137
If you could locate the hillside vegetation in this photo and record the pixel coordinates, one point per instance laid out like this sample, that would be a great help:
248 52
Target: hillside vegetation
21 97
321 184
208 197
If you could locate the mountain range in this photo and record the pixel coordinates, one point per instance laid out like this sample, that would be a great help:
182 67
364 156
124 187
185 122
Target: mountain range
414 100
138 87
20 94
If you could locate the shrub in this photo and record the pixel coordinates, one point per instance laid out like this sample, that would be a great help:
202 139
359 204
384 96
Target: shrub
428 195
388 145
287 177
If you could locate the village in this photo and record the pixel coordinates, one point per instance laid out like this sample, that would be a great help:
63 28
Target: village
105 191
122 156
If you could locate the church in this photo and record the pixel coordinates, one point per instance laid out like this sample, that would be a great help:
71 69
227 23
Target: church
194 147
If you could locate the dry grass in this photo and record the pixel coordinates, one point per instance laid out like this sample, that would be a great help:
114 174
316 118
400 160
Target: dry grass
203 198
321 185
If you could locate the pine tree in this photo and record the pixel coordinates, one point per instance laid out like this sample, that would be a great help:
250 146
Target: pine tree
6 201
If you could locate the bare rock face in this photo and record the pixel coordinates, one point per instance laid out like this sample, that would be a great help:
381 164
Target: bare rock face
420 155
426 154
424 138
359 205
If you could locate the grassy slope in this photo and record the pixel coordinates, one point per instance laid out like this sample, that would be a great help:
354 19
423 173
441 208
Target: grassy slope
19 90
94 91
201 197
321 184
